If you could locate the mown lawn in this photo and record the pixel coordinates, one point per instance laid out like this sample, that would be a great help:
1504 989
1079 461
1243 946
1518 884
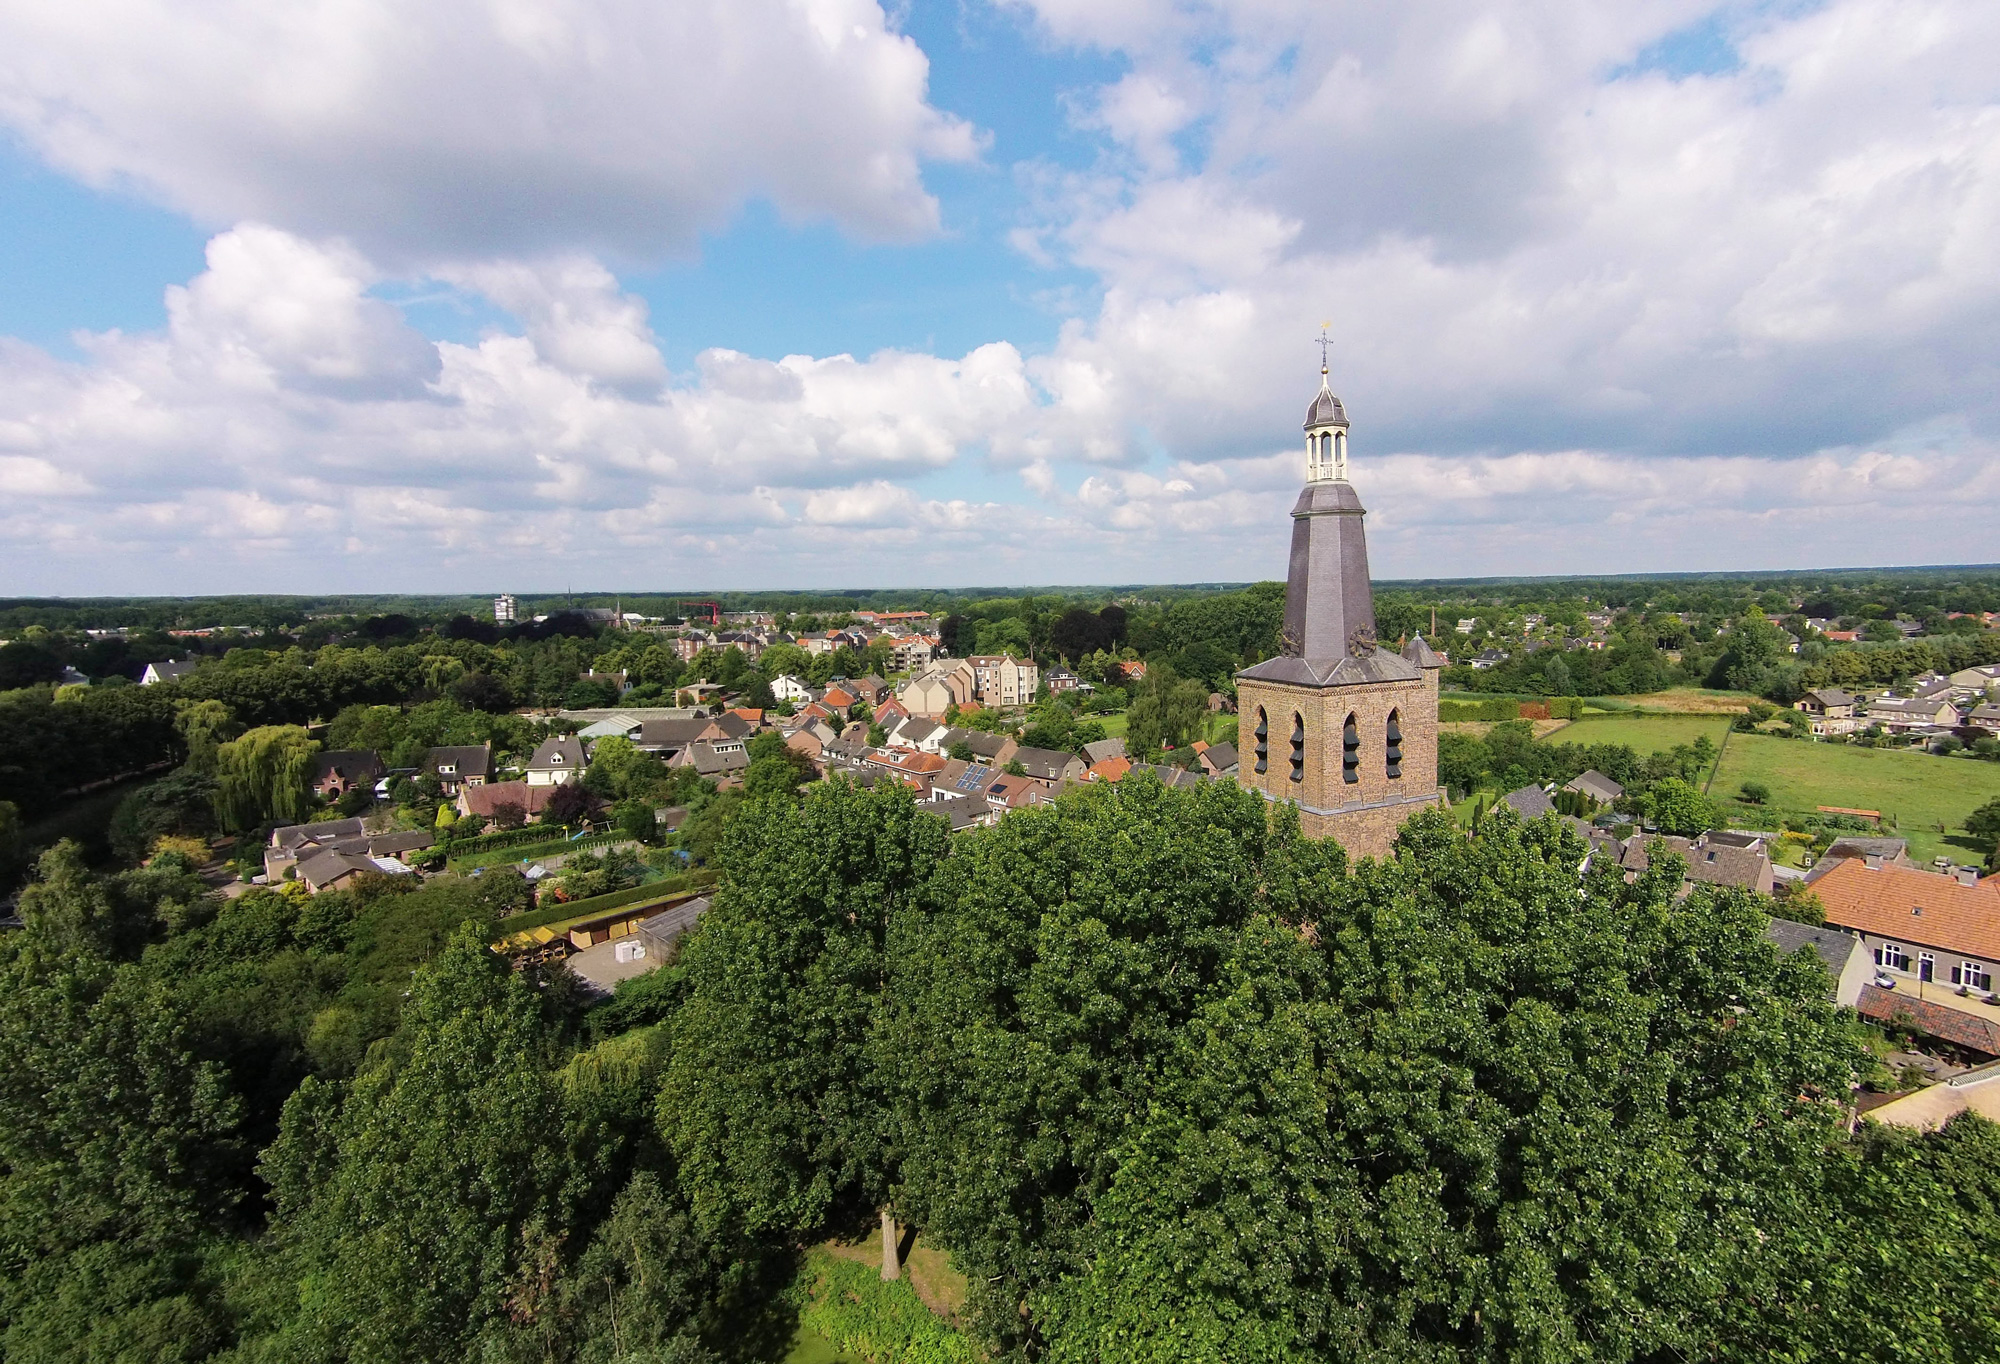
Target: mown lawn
1642 733
1221 728
1929 797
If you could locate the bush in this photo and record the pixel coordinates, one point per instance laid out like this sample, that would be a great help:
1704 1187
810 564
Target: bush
1756 793
853 1307
1798 904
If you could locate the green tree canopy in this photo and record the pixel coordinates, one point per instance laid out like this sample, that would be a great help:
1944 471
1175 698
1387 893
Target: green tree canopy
264 776
1167 710
771 1104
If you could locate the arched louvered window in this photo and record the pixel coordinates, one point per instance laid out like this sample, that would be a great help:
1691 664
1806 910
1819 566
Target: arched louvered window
1263 741
1350 752
1393 757
1298 748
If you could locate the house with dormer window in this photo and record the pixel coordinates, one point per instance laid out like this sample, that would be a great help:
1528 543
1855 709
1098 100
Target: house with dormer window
460 765
1921 928
556 760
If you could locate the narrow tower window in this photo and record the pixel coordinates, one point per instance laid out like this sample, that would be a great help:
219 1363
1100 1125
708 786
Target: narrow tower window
1263 741
1394 756
1350 752
1298 748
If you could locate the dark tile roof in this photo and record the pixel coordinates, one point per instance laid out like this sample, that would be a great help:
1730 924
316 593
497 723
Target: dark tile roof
1596 785
1419 652
967 813
292 835
1045 764
1888 849
670 733
1346 671
466 760
986 745
355 764
1532 802
567 748
710 762
327 867
1104 748
1833 946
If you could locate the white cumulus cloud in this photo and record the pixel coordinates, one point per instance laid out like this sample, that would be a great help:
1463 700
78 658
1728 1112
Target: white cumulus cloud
469 129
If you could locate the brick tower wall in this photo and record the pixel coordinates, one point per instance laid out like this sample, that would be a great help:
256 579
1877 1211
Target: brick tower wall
1362 815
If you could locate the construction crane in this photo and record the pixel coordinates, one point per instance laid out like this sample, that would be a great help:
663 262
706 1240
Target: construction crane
710 611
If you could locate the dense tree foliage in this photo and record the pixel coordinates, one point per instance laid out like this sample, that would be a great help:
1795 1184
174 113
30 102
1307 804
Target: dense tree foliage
1167 1080
1168 710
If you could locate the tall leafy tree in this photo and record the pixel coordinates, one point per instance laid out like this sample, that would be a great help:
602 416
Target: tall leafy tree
409 1202
1167 710
265 775
116 1145
771 1104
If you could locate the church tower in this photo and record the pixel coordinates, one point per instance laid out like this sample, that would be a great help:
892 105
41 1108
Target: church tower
1336 724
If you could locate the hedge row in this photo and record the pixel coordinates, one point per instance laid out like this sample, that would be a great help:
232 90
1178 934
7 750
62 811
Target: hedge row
1553 708
505 838
685 883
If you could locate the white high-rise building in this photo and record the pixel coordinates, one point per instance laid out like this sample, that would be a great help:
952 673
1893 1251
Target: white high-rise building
503 610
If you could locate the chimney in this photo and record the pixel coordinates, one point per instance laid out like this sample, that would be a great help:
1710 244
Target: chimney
1873 861
1967 876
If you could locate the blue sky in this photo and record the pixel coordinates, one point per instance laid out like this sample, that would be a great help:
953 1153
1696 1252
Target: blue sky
807 292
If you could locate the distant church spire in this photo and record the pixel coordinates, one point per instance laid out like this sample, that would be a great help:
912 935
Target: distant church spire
1326 427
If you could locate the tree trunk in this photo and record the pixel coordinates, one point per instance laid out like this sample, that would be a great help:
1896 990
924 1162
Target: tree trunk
892 1267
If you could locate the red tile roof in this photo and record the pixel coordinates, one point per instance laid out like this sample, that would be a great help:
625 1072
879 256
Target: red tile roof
1939 1020
1907 905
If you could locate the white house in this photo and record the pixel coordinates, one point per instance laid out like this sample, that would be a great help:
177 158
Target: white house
556 761
167 672
788 688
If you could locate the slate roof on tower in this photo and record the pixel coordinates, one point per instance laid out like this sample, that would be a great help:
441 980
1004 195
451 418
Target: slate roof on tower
1326 409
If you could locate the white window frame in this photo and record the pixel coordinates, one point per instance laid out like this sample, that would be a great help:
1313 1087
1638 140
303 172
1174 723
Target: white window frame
1890 956
1972 974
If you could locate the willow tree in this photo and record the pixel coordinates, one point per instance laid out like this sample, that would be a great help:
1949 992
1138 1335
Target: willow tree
204 726
265 775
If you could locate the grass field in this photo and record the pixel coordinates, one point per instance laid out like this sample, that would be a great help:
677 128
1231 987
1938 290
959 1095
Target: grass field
1221 728
1680 701
1922 792
1642 733
1675 701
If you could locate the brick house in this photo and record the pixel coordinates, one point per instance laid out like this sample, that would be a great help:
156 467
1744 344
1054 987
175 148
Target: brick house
1830 710
1920 927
